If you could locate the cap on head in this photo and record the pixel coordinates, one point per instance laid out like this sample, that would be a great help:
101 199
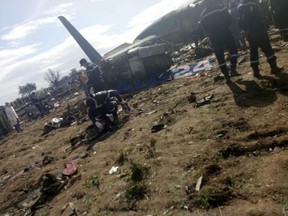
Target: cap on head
82 61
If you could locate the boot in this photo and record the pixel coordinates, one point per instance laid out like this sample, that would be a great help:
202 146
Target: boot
225 72
234 72
227 78
274 68
125 107
256 72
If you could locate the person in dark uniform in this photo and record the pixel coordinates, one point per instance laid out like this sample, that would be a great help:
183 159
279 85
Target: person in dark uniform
280 8
94 75
103 103
253 23
37 103
215 20
236 31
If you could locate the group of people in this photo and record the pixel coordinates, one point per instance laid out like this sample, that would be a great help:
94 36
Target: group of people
221 25
216 22
102 103
14 119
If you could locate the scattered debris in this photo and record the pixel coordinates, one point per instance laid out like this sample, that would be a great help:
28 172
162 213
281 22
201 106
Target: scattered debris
153 111
198 184
113 169
204 101
83 155
157 128
192 97
189 189
50 186
57 123
69 169
219 78
212 169
241 59
47 160
189 130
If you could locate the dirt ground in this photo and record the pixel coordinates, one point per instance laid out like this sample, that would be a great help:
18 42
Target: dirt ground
235 146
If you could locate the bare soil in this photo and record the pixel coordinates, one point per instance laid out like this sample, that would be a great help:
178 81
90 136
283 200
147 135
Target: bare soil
237 143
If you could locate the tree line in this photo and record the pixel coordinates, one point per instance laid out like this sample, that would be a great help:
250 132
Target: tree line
53 77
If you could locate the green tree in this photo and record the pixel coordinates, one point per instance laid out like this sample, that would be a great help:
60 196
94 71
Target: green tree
27 89
53 78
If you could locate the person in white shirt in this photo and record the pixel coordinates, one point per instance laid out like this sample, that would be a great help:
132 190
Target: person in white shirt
13 117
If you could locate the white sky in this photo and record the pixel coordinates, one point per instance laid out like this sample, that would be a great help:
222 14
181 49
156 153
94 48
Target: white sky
32 39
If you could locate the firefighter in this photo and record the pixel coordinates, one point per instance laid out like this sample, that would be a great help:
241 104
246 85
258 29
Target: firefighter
280 8
37 103
103 103
253 24
94 75
215 20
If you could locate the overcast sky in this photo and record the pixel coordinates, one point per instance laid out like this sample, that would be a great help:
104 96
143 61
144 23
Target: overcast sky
32 39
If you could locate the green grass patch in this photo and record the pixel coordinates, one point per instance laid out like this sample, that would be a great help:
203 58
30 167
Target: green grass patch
93 181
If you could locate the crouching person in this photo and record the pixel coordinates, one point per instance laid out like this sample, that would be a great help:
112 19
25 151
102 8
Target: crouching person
103 105
104 97
99 115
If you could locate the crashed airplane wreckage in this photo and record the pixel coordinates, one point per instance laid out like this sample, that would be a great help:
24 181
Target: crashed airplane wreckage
145 62
129 67
180 26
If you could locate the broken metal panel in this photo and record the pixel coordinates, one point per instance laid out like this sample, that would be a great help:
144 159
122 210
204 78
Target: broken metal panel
116 50
159 63
137 66
152 50
150 40
92 54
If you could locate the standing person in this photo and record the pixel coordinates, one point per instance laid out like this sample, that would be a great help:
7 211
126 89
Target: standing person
215 21
280 8
253 23
37 103
13 117
5 126
83 82
94 75
236 32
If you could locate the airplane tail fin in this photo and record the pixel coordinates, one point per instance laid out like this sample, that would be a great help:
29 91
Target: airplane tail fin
89 50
